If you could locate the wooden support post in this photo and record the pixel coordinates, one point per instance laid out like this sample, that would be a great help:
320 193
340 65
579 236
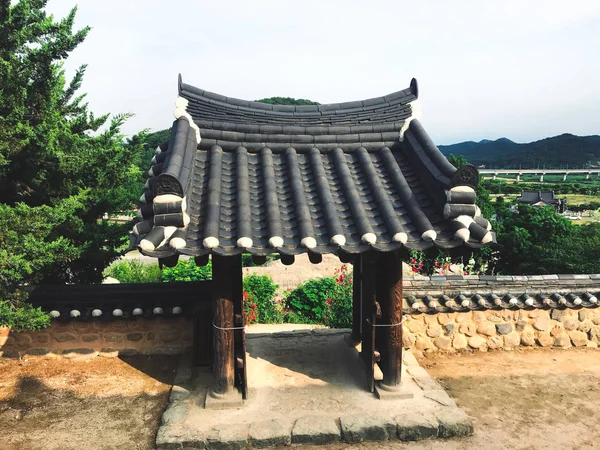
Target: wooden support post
390 299
239 322
223 297
368 291
356 303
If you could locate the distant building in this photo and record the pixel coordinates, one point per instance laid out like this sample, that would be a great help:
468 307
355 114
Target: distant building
543 198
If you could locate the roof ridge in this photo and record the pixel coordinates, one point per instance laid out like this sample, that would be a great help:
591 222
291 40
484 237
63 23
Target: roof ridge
412 90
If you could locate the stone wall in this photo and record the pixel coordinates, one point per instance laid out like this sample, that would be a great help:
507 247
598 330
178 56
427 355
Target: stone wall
457 313
483 330
72 338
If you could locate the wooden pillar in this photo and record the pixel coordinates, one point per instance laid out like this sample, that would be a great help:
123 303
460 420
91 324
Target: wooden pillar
223 297
390 300
369 311
356 300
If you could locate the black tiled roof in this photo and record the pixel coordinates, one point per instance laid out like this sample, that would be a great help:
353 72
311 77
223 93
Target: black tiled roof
239 176
533 197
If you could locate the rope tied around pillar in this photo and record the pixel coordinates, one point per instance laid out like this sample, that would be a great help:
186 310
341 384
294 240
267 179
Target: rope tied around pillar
386 324
228 329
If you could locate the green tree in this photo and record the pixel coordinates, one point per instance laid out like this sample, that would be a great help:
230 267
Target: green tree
535 241
62 169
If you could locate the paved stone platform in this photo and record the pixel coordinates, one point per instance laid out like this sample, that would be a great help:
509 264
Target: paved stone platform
307 386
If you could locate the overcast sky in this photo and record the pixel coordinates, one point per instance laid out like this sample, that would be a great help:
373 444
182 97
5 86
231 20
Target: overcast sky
519 69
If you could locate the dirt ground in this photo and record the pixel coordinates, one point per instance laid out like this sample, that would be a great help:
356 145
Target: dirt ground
106 403
524 399
519 399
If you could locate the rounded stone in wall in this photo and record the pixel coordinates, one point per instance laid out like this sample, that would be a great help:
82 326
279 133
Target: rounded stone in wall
444 318
463 317
563 341
433 332
414 326
468 329
408 340
542 323
459 342
578 338
544 339
571 323
594 334
476 342
528 337
585 326
487 329
495 342
423 343
556 330
64 337
135 337
512 340
443 342
24 339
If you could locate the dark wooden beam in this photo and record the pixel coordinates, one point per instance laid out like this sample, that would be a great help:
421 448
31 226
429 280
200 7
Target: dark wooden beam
368 292
239 321
223 298
389 296
356 299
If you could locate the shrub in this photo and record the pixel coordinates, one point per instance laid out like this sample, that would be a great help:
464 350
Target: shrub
309 300
23 317
133 271
326 301
187 271
259 303
340 304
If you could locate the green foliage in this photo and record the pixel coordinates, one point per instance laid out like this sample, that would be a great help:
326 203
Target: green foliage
326 301
22 317
259 302
309 299
286 101
187 271
502 187
537 241
61 168
133 271
339 314
552 152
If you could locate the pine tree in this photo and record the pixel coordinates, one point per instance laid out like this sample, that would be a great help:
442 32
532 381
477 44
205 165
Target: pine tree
61 168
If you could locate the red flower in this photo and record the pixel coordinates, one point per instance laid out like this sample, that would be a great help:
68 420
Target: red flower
246 296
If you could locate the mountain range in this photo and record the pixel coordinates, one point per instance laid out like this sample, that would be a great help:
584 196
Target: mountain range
554 152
